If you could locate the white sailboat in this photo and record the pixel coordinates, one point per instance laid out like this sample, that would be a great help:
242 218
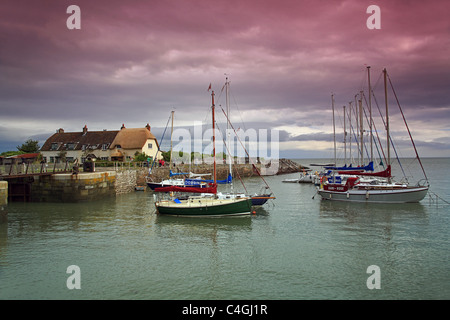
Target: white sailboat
193 180
352 188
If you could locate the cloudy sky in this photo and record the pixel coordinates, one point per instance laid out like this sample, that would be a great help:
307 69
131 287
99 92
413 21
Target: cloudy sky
133 62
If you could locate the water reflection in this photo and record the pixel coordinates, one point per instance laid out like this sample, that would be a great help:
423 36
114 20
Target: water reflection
351 211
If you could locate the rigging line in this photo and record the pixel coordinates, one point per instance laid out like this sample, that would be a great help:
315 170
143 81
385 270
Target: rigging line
363 81
374 128
378 136
352 130
220 95
407 127
239 111
231 159
231 125
364 146
438 197
390 137
207 116
377 82
159 145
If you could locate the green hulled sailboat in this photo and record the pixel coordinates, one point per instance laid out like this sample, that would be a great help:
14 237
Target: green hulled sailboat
207 203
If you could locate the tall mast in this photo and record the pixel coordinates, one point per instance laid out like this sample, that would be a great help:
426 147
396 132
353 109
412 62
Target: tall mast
370 114
229 156
345 140
357 130
387 119
361 130
171 134
214 137
350 125
334 130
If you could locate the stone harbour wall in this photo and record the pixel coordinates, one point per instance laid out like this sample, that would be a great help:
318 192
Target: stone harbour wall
276 167
86 186
3 193
126 181
73 187
3 200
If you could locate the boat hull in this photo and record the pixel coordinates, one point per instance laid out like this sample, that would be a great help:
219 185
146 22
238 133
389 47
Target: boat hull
400 195
154 185
291 180
204 207
261 199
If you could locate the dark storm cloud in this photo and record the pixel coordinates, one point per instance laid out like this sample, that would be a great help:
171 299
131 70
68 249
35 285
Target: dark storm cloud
135 61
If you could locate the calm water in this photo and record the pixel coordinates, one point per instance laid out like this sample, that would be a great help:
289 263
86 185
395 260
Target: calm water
294 248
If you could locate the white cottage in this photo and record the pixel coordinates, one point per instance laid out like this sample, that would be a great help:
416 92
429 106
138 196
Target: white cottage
116 145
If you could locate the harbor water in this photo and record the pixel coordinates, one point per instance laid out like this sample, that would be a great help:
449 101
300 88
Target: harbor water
293 248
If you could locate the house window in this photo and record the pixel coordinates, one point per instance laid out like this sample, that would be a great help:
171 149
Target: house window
70 146
150 146
118 146
104 158
105 146
54 146
52 159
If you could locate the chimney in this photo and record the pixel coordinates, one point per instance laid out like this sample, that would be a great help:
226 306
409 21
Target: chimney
148 127
60 130
84 130
123 126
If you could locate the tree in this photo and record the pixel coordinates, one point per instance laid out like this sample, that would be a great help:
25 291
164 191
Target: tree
140 157
166 155
30 146
62 155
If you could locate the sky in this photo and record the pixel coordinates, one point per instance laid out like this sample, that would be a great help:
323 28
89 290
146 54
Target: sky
133 62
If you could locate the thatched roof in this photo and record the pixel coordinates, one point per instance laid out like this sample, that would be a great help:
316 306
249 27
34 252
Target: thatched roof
132 138
127 138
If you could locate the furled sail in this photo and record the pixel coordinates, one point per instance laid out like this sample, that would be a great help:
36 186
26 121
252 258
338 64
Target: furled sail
369 167
211 189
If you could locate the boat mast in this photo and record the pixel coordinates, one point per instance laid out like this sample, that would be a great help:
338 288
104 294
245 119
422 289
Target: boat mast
387 121
334 129
370 114
345 140
350 125
229 156
361 130
171 134
214 137
357 130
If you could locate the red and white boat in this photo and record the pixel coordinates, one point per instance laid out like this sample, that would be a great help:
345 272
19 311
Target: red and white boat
373 187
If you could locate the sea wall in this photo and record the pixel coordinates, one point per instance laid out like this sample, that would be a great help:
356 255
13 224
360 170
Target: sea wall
3 193
275 167
73 187
86 186
3 200
127 180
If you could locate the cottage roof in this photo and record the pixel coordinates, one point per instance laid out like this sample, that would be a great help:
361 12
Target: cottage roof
132 138
25 156
126 138
76 140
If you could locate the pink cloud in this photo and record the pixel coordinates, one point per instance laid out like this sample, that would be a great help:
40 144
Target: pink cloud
280 54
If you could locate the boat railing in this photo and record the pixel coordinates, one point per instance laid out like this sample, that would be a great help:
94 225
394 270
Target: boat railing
423 183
